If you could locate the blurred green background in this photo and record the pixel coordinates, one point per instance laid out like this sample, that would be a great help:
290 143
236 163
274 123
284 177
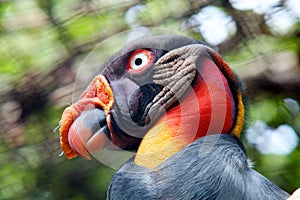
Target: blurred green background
44 42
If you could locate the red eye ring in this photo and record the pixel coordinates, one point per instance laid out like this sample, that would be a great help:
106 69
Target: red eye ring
139 60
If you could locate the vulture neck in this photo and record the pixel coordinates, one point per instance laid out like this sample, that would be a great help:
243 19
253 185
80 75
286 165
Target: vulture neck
207 108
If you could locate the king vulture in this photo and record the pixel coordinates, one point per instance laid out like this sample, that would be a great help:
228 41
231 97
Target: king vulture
177 104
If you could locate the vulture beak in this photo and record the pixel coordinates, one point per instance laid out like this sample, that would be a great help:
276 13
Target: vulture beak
83 127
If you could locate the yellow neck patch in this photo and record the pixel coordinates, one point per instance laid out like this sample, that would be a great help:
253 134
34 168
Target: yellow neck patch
159 144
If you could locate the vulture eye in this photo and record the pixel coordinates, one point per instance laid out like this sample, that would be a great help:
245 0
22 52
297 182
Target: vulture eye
140 59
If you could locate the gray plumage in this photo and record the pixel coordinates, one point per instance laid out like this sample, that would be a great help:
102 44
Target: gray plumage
213 167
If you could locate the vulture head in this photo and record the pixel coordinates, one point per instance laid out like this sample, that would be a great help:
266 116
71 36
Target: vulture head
157 95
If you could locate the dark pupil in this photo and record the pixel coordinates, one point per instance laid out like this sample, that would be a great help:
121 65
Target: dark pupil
138 61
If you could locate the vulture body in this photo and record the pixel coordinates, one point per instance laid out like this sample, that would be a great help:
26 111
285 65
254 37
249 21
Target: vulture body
194 173
176 103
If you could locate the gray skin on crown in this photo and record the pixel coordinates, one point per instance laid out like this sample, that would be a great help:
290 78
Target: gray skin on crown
222 173
165 42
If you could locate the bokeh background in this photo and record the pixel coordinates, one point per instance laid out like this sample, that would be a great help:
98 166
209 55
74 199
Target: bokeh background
43 43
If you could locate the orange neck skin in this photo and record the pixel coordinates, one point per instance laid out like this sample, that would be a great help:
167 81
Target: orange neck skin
207 108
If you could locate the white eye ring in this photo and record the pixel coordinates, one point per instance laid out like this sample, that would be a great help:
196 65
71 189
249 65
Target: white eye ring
140 59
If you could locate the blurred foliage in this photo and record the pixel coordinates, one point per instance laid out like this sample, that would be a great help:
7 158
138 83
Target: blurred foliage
42 43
